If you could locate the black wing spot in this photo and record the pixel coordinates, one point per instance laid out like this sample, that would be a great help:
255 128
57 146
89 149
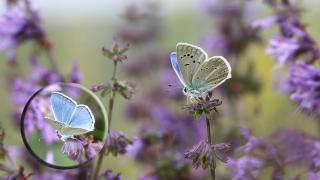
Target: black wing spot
191 56
184 55
186 64
194 61
188 54
198 62
181 57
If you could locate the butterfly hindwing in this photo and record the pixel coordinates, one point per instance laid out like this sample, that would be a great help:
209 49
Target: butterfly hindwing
62 107
69 132
82 118
56 124
190 58
213 72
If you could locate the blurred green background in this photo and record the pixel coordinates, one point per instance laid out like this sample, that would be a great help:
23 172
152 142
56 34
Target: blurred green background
80 28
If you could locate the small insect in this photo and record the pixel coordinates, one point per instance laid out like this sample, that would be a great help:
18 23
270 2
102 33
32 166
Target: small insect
70 118
198 73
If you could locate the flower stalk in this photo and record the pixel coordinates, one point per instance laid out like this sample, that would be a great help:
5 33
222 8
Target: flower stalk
110 110
211 142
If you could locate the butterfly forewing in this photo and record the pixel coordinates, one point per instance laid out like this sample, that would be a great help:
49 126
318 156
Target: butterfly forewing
213 72
62 106
189 60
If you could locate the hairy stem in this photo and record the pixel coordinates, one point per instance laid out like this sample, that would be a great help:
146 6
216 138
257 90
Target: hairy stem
110 110
210 141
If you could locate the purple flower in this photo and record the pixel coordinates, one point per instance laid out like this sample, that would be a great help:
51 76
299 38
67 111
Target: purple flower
109 175
264 23
245 168
283 50
182 128
252 142
75 76
233 32
315 157
93 149
304 82
74 149
202 155
313 175
117 143
17 26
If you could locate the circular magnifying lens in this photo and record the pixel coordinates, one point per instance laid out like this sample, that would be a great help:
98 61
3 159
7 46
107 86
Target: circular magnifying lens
64 125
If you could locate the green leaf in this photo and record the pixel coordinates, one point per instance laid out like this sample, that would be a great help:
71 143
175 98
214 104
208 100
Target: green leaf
198 114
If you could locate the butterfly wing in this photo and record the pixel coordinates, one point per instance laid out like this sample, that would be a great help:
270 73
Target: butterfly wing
82 118
70 132
175 65
213 72
56 124
62 107
190 58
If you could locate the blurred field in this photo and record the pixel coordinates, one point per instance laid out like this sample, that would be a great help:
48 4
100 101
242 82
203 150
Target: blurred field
79 29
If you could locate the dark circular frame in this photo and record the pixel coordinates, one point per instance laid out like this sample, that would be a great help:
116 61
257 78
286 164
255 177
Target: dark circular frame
24 139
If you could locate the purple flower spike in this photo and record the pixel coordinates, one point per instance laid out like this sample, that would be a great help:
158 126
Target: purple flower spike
201 155
73 148
245 168
117 143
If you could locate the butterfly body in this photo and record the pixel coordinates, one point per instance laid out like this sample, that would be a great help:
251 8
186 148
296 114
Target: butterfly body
70 119
198 73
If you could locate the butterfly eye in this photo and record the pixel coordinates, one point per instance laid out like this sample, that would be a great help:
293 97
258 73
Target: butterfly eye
185 90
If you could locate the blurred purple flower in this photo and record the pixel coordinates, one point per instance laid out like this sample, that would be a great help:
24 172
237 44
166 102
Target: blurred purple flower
59 175
109 175
245 168
184 130
75 76
313 175
304 84
315 157
233 31
17 25
117 143
74 149
283 50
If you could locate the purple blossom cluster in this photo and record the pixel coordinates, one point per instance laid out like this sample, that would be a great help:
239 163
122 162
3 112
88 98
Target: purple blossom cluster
19 23
297 49
280 151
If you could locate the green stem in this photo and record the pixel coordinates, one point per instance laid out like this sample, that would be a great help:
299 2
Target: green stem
210 141
110 110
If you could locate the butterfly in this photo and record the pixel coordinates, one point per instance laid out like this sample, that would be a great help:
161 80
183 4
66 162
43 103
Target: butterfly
198 73
70 118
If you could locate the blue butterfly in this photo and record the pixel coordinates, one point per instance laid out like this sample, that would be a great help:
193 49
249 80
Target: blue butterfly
198 73
70 119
